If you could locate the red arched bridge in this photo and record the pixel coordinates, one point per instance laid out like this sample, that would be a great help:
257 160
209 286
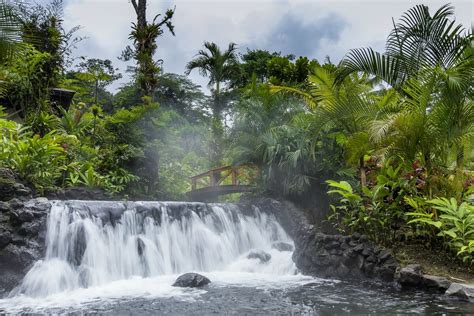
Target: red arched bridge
224 180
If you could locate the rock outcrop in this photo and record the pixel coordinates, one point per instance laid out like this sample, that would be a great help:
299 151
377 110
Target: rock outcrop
22 234
342 257
191 280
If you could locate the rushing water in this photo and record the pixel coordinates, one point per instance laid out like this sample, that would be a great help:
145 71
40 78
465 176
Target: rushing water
123 257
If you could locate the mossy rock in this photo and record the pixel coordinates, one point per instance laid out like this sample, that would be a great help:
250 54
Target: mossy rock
7 184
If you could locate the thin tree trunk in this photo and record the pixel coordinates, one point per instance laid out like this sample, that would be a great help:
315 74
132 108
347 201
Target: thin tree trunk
96 91
363 176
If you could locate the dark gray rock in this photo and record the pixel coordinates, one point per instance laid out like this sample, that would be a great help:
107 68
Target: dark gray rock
4 207
5 237
191 280
80 193
461 291
79 245
436 283
29 229
140 246
343 257
16 204
410 276
282 246
260 255
22 233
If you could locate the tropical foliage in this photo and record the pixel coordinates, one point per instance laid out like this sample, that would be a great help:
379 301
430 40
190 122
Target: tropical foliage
389 136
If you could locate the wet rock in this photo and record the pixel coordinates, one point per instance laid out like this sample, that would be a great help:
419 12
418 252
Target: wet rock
5 237
28 229
4 207
15 262
20 216
461 291
282 246
140 246
410 276
191 280
15 204
79 245
436 283
343 257
22 233
260 255
80 193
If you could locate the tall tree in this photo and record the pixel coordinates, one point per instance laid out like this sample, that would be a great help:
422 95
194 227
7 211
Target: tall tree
221 67
144 35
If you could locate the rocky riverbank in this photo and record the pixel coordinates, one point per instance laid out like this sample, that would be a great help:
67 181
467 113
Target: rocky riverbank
353 257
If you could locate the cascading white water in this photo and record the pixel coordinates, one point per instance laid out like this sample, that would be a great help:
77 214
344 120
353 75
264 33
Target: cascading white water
90 243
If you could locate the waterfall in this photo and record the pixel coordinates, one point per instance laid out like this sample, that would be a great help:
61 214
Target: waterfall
92 243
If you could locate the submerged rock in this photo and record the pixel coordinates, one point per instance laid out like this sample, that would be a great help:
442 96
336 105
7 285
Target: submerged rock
191 280
260 255
282 246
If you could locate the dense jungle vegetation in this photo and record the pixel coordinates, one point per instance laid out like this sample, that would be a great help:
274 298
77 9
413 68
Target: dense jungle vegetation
389 135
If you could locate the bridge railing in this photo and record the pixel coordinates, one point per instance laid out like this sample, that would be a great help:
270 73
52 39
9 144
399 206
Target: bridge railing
228 175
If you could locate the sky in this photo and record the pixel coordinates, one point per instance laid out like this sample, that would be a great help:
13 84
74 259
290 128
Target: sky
315 29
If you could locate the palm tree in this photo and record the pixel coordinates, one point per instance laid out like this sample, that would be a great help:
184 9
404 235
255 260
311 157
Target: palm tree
417 42
351 107
221 68
10 30
10 36
429 59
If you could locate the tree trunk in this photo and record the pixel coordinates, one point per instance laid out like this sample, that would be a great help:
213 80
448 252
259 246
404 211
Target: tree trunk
363 176
140 10
460 159
96 96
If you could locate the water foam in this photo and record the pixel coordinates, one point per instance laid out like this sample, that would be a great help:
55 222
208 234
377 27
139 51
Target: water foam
90 254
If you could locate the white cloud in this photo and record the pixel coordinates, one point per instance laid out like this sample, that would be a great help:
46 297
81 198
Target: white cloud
351 24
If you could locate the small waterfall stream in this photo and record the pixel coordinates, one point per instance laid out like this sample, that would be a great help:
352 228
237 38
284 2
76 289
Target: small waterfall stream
92 243
123 257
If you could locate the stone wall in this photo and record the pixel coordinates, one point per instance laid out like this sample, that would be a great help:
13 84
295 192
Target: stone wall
342 257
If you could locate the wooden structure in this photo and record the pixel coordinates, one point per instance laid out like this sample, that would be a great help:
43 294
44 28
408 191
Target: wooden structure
224 180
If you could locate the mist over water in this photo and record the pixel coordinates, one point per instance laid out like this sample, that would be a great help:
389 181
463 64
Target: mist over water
86 248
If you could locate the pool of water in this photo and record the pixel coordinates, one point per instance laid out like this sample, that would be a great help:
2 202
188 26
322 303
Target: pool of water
239 293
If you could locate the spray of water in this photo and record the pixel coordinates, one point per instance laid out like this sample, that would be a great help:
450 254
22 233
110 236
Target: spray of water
91 244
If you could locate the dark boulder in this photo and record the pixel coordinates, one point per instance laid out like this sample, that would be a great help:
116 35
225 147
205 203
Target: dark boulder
282 246
436 283
262 256
191 280
410 276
